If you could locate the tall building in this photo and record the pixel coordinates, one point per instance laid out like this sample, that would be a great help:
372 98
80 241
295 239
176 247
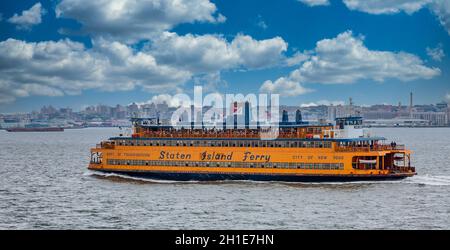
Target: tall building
133 109
247 114
285 116
298 116
410 105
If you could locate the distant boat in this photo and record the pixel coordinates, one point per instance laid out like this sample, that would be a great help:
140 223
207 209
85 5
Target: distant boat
37 129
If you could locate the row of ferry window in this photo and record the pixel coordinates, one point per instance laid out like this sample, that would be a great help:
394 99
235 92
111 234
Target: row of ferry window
227 143
296 165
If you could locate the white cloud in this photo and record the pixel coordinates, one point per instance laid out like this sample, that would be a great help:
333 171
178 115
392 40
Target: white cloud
284 86
66 67
171 101
322 102
436 53
210 82
207 53
315 2
441 8
258 54
296 59
447 97
212 53
260 23
442 11
130 20
386 6
345 59
28 18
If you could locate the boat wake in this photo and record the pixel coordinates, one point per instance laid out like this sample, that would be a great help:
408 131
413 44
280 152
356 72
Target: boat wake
432 180
115 176
438 180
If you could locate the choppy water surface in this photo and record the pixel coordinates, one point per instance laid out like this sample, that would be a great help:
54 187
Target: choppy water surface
44 184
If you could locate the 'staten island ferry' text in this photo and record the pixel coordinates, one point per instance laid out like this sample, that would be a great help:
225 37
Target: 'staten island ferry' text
301 152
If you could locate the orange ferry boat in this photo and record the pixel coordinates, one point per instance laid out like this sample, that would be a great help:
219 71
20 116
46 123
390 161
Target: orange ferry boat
301 153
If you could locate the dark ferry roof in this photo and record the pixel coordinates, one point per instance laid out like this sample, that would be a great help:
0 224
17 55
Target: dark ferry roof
349 118
238 138
187 125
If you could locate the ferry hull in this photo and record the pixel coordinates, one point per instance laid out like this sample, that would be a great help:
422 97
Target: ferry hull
255 177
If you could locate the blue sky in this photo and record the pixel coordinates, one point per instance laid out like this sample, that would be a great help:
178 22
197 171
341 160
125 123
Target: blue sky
76 53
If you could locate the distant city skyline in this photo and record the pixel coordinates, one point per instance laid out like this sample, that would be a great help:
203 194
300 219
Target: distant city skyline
119 115
158 100
77 53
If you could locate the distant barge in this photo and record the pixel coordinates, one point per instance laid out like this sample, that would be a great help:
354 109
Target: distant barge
45 129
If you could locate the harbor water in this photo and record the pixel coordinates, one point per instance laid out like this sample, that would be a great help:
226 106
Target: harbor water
45 184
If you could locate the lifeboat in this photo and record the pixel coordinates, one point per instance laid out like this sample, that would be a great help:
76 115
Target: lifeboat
367 161
399 157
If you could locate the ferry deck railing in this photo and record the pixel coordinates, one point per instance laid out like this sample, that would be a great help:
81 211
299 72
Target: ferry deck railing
369 148
228 134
